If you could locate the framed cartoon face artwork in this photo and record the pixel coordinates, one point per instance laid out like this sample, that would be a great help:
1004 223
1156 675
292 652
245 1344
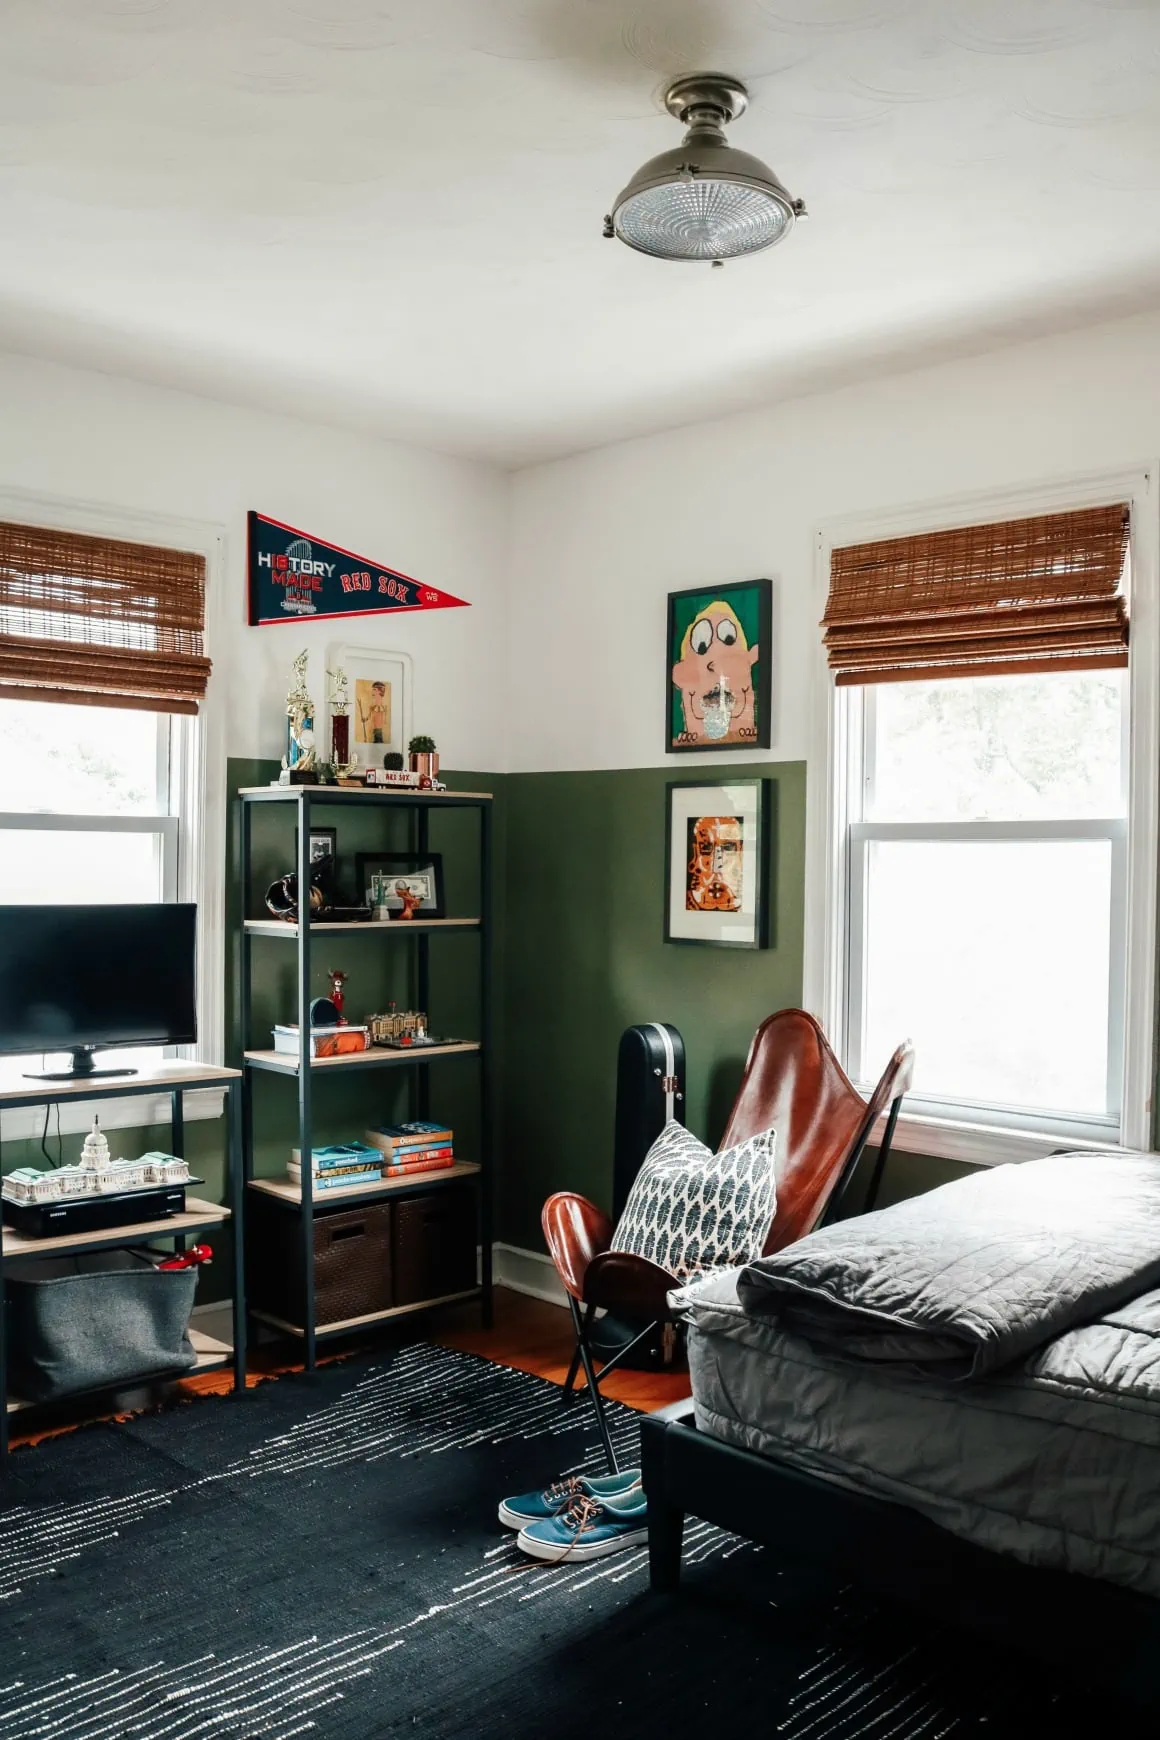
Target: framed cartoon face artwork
719 668
717 864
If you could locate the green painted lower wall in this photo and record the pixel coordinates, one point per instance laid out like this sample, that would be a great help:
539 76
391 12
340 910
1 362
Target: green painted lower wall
585 958
578 957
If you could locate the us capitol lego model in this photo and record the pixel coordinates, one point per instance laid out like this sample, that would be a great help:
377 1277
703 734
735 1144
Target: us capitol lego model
95 1174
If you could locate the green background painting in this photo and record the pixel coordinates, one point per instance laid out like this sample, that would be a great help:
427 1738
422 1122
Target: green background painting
686 607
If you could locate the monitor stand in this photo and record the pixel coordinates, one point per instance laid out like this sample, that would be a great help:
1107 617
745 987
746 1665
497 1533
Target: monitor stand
82 1068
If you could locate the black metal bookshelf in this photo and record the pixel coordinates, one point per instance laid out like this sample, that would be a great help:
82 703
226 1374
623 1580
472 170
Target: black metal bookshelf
302 1200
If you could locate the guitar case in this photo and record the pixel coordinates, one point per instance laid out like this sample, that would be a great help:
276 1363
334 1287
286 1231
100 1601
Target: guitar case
650 1089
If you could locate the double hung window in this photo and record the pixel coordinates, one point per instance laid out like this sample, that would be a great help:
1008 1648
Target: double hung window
984 698
102 668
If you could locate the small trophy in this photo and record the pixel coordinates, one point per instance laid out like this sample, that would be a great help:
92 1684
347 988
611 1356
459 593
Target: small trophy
340 724
299 762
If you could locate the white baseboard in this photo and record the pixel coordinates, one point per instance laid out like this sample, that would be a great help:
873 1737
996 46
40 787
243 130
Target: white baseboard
528 1272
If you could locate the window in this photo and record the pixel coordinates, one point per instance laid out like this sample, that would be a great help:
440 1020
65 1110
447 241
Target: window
88 813
987 865
114 770
986 833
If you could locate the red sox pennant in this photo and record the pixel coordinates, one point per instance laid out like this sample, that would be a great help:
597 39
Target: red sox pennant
293 577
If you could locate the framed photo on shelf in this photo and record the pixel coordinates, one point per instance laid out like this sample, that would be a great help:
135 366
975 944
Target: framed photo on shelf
717 863
323 845
402 882
719 667
380 701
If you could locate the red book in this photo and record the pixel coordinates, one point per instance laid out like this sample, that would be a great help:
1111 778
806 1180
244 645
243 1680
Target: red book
443 1152
435 1165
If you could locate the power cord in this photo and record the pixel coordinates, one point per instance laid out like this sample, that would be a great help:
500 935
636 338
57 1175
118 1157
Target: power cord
59 1161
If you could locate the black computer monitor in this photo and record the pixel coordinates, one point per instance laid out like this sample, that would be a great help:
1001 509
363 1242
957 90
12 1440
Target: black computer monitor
84 978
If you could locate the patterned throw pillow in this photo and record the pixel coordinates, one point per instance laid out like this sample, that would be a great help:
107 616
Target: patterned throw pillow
691 1209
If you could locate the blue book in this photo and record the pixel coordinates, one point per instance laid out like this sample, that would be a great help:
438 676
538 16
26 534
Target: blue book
344 1154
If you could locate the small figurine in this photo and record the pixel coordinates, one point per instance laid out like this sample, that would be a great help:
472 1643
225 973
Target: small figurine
338 993
411 901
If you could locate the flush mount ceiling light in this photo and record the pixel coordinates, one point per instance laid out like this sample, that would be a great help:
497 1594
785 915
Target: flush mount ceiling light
703 200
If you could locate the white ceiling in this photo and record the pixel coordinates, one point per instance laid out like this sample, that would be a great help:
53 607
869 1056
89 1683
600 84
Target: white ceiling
386 213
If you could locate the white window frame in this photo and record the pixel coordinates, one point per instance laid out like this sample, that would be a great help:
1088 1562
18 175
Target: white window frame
834 787
194 830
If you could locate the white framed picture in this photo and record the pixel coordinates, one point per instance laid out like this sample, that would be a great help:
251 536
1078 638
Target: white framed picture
379 685
717 863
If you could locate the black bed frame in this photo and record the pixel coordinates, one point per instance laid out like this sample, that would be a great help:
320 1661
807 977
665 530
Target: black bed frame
1091 1631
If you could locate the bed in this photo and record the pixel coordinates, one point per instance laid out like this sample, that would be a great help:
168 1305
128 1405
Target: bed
882 1424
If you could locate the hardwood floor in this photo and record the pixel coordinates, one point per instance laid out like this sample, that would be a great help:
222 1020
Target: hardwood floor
537 1337
528 1334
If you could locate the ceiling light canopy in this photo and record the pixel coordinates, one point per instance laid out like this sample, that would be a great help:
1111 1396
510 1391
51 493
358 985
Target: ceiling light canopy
703 200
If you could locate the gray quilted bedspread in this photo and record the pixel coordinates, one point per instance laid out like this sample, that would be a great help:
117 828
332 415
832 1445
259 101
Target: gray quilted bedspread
969 1277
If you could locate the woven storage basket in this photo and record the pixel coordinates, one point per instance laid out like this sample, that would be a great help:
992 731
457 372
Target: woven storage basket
434 1244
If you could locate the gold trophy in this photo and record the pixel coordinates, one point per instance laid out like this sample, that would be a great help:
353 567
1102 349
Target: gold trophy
299 764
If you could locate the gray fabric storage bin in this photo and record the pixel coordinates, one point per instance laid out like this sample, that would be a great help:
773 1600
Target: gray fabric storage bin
90 1321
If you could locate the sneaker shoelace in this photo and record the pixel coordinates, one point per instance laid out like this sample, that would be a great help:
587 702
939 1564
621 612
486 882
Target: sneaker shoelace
579 1516
569 1487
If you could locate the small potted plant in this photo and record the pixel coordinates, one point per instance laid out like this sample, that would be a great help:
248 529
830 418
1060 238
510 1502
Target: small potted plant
424 757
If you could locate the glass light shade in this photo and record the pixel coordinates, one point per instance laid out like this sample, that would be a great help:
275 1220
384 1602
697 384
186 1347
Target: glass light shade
696 218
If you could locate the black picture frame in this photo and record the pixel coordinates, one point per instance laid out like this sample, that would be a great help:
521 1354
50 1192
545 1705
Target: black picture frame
762 790
749 602
328 836
368 864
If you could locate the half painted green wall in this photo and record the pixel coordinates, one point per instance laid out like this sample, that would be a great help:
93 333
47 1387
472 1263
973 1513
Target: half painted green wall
585 959
578 957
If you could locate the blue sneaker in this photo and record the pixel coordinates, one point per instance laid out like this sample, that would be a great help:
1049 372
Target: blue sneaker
590 1528
530 1507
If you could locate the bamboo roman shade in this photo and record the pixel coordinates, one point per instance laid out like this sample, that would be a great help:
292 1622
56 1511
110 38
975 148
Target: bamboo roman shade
100 621
1041 594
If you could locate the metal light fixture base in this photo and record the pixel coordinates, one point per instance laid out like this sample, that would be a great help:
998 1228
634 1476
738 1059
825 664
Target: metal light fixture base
699 91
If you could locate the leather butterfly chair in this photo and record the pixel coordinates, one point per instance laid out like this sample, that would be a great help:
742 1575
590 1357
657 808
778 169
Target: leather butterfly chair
793 1083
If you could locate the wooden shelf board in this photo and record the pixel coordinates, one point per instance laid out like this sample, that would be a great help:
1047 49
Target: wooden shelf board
287 1191
198 1215
359 927
286 1063
337 793
347 1323
210 1352
159 1080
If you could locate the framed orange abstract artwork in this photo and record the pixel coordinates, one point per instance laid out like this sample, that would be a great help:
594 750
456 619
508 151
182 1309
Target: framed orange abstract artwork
717 863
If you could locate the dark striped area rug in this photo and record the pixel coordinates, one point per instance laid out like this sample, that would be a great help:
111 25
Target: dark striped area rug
321 1558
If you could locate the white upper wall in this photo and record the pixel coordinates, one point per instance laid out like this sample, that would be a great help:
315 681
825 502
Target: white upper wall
567 565
116 444
599 541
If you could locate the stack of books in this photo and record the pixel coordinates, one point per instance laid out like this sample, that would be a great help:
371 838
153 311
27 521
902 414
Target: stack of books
420 1146
339 1166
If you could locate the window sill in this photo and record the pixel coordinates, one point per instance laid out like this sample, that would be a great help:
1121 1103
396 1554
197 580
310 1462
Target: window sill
26 1123
983 1144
